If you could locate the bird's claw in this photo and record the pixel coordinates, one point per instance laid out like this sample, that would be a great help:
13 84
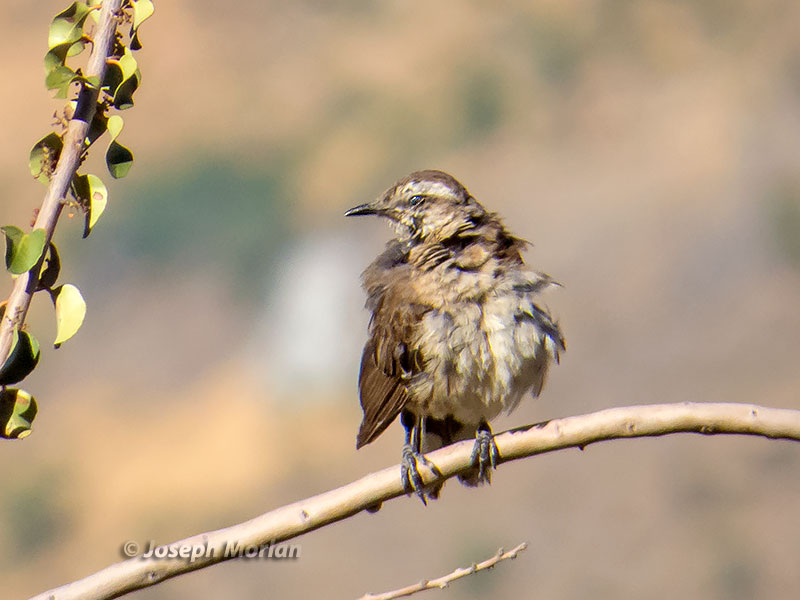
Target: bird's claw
409 472
485 454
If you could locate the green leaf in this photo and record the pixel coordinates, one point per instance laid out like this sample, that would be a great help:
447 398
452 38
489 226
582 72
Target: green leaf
113 77
70 312
44 156
126 63
135 43
59 79
98 126
21 360
23 250
67 26
17 411
51 268
58 76
122 79
77 47
13 238
118 158
56 56
115 125
93 196
65 39
123 98
142 10
98 198
95 14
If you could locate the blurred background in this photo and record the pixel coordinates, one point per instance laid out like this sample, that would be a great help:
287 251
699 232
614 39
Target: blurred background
650 150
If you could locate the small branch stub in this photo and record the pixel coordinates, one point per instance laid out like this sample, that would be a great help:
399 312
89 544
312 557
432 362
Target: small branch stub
443 582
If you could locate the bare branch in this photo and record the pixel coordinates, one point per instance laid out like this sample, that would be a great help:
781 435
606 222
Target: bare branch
25 285
443 582
369 492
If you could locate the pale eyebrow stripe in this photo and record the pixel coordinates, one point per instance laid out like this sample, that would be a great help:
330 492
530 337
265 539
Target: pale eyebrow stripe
435 188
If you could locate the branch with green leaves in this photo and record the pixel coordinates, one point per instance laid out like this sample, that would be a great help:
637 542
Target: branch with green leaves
93 95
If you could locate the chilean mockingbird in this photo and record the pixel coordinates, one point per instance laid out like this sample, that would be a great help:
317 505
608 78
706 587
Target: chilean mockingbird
456 336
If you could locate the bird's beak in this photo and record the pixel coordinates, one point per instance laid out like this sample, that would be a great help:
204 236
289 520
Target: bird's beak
363 209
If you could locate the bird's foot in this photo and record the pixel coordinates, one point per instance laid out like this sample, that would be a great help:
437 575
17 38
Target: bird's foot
485 454
409 472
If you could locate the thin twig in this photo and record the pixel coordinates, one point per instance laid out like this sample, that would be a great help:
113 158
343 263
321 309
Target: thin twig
443 582
369 492
74 139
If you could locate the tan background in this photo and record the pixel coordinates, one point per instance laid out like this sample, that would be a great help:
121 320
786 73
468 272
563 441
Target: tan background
649 149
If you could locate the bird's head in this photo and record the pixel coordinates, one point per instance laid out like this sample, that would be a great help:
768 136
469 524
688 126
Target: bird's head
426 206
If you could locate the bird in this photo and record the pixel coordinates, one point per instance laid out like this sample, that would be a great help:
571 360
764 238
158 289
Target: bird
456 334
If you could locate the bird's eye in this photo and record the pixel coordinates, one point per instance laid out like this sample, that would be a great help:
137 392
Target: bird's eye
416 199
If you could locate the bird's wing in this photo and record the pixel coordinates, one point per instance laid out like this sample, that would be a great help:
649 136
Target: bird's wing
382 396
391 358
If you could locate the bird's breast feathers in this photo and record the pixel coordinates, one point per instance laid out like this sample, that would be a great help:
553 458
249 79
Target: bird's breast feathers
482 355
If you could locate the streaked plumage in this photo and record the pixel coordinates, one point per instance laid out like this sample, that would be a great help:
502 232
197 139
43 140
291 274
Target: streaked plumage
456 334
